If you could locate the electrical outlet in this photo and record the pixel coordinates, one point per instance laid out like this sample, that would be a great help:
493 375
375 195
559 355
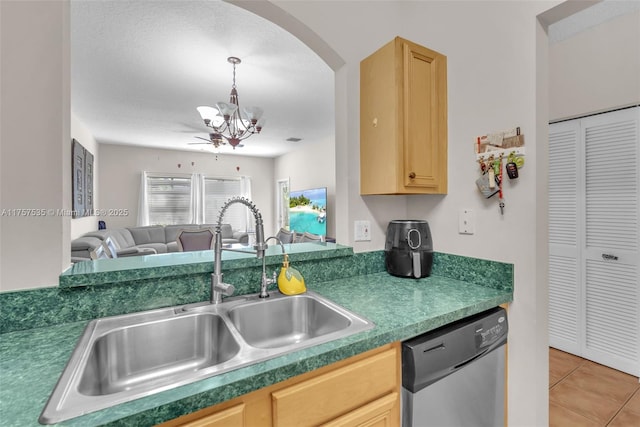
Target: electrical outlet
467 222
362 231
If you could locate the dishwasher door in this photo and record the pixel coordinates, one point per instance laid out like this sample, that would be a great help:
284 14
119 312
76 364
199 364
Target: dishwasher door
454 376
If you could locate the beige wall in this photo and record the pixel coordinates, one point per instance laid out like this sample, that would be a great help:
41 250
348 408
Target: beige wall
597 69
493 49
120 169
35 150
311 166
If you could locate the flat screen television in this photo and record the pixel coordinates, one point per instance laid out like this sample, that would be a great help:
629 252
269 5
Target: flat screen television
308 211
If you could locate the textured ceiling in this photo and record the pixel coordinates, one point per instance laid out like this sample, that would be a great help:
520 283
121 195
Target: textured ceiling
139 69
590 17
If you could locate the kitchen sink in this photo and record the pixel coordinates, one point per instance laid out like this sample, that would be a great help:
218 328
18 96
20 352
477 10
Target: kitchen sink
286 321
155 352
122 358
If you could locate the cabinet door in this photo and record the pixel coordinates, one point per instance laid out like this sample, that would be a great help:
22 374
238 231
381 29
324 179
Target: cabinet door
383 412
424 118
323 398
380 130
403 120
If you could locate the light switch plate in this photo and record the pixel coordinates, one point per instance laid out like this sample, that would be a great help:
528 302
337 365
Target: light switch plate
362 231
467 222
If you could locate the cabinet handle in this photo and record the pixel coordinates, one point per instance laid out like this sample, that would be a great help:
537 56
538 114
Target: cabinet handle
412 175
609 257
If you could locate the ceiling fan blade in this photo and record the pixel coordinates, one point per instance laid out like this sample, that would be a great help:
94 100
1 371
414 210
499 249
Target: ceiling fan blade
198 143
204 139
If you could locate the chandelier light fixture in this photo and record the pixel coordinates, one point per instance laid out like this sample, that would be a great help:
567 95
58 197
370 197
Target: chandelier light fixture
228 124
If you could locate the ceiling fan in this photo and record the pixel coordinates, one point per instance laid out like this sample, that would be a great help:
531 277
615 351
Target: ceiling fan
214 139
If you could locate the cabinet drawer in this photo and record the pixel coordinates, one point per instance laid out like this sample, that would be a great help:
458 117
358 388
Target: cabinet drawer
383 412
230 417
333 394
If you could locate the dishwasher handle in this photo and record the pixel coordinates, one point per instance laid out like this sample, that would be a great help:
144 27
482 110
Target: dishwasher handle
477 356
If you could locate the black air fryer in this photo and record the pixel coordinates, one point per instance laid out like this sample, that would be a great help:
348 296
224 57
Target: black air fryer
408 250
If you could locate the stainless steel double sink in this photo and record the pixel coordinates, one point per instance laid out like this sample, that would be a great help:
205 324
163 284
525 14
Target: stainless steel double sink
122 358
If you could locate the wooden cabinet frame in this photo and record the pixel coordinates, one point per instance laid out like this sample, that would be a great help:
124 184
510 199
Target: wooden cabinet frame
361 390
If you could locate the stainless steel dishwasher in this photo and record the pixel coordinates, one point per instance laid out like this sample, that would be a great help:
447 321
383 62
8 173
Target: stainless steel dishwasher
454 375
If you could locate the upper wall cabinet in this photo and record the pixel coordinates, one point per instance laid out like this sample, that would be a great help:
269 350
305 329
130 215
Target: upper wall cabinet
403 120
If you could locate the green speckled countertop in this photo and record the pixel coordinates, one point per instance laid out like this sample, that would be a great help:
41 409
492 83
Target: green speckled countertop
32 360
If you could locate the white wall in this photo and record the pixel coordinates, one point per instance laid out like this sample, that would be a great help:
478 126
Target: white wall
35 150
120 169
597 69
492 49
312 165
80 133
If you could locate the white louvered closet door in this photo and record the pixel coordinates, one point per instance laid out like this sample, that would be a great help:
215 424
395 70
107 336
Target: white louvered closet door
595 261
612 252
564 240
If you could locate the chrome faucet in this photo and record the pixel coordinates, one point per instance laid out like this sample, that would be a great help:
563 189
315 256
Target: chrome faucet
218 287
264 285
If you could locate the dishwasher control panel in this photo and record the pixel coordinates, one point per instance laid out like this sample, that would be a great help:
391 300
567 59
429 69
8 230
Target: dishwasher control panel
438 353
487 335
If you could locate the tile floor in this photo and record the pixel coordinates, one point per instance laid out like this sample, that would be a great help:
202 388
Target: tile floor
585 394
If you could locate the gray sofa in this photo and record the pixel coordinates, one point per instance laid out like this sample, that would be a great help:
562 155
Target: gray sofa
147 240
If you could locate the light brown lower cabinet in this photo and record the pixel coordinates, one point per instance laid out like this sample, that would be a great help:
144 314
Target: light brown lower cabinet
233 416
363 390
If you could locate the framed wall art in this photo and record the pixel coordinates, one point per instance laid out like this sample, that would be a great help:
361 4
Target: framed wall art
81 180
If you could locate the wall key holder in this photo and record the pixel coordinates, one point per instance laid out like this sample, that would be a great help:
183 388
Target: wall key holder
491 149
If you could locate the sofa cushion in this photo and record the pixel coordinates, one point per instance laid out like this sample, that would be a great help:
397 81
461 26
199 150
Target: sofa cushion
82 247
148 234
228 235
121 237
160 248
85 243
135 252
241 237
225 230
100 234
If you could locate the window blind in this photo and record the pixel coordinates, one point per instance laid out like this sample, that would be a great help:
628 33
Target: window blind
217 191
168 198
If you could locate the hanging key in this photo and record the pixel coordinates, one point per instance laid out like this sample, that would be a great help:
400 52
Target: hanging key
501 204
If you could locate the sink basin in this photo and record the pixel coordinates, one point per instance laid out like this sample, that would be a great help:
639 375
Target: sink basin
122 358
156 352
286 321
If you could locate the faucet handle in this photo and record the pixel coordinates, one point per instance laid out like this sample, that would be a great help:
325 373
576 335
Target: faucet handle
225 289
